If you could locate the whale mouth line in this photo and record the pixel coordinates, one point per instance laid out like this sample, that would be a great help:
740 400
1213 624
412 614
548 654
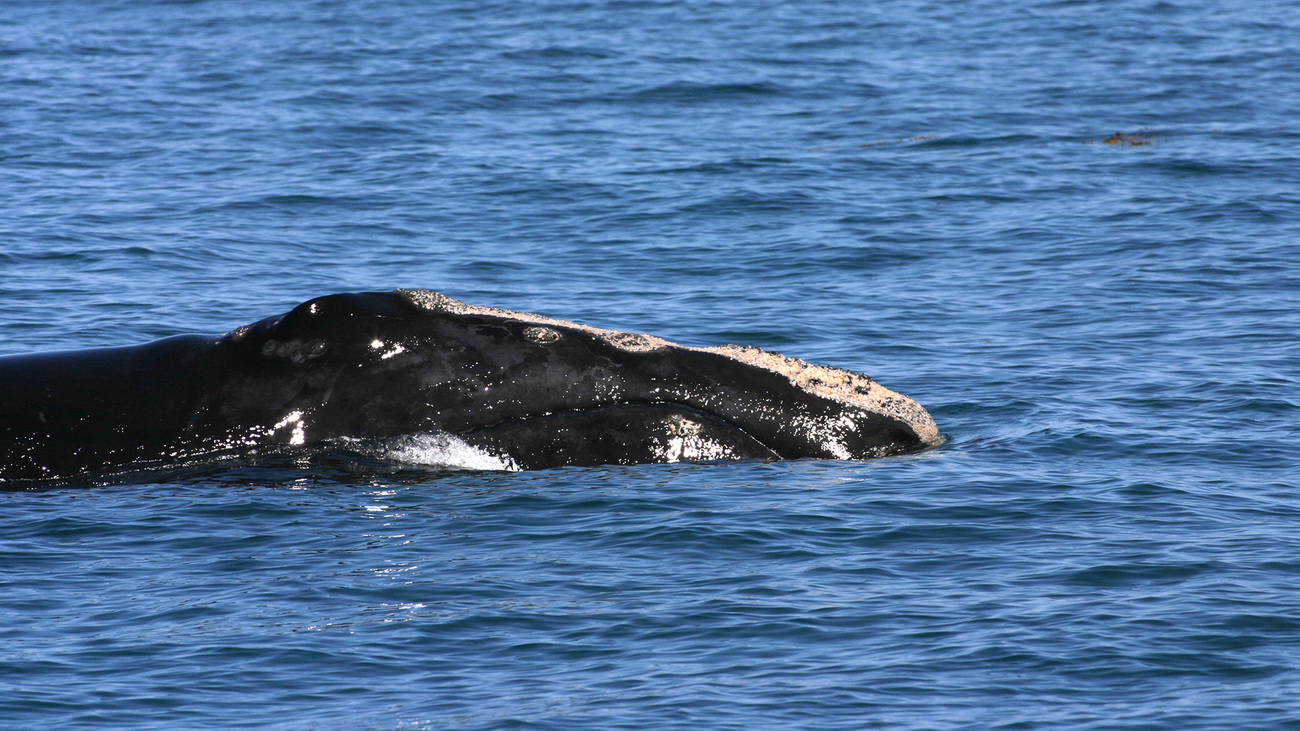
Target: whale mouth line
666 431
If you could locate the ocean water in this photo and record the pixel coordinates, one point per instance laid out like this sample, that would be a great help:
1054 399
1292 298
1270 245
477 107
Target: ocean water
1070 229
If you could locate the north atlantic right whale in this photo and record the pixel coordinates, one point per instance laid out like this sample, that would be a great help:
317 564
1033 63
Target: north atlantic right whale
531 391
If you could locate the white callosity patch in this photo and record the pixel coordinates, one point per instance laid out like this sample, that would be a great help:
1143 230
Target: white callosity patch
835 384
685 443
846 387
539 334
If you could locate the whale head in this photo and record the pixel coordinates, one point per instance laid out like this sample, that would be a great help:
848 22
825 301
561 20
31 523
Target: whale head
539 392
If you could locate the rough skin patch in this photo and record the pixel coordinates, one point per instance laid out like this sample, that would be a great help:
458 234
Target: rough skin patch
438 302
846 387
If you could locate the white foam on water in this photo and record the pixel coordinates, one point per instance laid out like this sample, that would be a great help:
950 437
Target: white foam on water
435 449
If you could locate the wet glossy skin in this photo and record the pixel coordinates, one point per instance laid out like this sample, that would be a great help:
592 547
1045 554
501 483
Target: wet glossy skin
533 391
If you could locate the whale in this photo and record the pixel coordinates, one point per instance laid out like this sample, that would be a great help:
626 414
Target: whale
359 368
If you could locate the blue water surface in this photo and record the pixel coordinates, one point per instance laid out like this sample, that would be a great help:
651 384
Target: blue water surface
1070 229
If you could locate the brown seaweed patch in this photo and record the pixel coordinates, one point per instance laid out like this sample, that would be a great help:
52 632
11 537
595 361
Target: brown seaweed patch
1137 139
